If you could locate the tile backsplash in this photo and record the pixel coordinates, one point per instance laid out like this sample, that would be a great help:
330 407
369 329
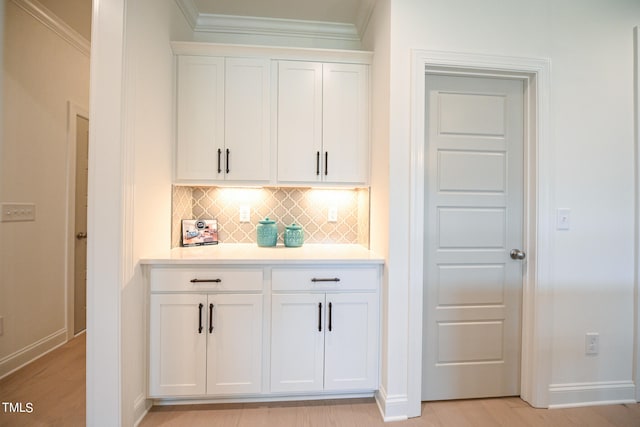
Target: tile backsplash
304 206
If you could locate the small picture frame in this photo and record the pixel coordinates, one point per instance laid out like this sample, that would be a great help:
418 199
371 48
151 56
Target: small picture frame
199 232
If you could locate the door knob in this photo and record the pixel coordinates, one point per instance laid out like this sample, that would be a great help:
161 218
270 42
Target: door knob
517 254
81 235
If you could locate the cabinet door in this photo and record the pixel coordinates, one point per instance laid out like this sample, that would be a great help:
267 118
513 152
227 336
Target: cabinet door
177 346
297 342
299 121
234 344
200 112
345 127
247 154
351 342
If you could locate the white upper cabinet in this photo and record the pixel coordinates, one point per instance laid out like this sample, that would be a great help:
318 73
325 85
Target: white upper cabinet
247 119
345 123
323 123
200 109
299 121
223 125
271 116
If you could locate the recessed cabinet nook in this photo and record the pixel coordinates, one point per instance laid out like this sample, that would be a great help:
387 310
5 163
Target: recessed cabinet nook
238 322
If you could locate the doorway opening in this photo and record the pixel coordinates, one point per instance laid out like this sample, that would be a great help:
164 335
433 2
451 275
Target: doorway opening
77 176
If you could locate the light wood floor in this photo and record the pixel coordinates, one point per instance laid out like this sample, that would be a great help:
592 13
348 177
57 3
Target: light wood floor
506 412
55 385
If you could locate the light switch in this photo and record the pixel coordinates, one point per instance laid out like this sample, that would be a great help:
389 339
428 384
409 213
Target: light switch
13 212
563 219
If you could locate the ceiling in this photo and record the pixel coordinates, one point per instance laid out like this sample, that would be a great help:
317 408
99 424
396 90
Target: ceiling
75 13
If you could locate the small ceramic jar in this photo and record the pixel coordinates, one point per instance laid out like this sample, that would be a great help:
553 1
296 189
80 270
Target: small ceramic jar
267 231
293 236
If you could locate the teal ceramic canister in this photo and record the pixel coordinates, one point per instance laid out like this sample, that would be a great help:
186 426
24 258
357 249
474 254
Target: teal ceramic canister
293 236
267 231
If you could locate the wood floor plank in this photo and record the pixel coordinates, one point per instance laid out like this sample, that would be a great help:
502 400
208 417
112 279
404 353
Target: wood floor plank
502 411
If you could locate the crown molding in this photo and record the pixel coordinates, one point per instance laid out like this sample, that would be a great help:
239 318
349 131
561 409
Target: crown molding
275 27
54 23
260 26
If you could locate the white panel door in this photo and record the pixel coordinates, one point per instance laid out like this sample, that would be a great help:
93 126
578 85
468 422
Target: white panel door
345 126
299 121
177 345
247 152
473 219
234 344
200 111
297 342
351 342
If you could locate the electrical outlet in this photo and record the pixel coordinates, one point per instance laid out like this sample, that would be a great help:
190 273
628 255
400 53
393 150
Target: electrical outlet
332 215
592 343
245 213
14 212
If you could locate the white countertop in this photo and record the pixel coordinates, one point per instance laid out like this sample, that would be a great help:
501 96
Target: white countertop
250 253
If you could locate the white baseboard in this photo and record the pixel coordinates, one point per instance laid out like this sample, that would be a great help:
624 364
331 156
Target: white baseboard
588 394
28 354
140 408
392 408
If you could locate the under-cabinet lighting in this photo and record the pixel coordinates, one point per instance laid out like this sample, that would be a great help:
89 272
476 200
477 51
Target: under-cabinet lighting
326 197
241 195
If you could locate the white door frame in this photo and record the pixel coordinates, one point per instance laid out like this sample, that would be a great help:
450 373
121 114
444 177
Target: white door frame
536 308
636 311
73 111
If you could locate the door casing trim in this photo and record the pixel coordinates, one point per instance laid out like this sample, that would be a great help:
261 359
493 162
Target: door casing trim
538 195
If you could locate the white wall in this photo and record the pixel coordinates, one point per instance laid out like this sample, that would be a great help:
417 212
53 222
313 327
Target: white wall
130 188
148 138
589 44
41 73
394 366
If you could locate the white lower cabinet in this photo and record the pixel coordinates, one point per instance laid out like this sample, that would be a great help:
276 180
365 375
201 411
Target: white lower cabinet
212 335
324 341
205 344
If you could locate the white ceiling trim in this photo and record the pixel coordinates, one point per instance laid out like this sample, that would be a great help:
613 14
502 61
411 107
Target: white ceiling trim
230 24
54 23
275 27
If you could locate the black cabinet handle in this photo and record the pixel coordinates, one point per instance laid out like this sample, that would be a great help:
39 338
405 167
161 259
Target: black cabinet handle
228 151
319 317
317 163
330 317
329 279
326 163
200 318
210 318
206 280
219 155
